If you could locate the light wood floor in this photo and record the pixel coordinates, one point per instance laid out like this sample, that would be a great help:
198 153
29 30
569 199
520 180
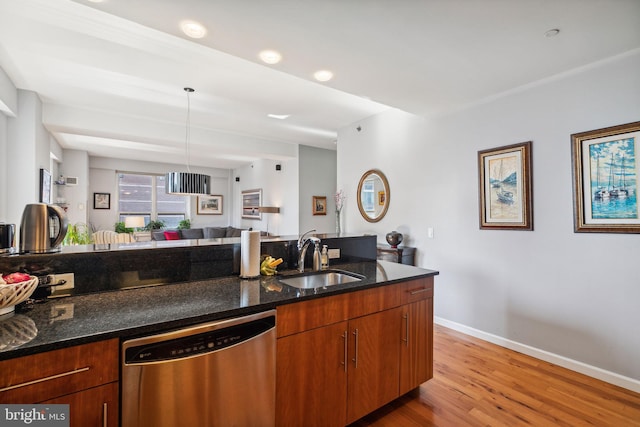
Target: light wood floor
477 383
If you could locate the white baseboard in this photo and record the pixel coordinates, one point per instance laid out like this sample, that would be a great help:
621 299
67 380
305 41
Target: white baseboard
574 365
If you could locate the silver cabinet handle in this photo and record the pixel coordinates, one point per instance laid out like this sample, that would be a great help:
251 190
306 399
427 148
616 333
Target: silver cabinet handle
40 380
105 412
406 329
419 291
355 359
344 337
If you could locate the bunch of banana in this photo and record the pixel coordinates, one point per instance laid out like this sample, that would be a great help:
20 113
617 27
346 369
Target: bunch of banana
269 265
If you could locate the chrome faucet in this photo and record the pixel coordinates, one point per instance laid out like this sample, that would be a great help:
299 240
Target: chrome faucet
303 244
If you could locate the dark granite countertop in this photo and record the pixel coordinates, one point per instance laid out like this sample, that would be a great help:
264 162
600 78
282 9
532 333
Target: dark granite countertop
128 313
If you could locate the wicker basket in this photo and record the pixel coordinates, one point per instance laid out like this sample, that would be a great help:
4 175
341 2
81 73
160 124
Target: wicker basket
15 293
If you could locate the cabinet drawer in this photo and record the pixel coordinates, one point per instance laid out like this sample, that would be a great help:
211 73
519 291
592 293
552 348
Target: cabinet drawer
370 301
416 290
306 315
36 378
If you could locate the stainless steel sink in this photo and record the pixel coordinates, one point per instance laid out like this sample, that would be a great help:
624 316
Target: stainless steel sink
321 279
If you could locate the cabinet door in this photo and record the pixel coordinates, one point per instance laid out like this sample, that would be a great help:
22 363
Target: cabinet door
311 382
95 407
416 350
374 347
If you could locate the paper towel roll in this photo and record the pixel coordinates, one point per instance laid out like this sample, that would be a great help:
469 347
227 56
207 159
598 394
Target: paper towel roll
249 254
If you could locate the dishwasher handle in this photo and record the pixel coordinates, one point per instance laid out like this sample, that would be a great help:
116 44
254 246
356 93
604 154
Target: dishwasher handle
196 342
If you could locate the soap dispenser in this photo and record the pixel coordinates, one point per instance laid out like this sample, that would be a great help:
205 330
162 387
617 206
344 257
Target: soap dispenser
316 257
324 257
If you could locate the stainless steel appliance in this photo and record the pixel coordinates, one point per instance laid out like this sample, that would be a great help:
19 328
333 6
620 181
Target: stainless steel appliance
215 374
42 229
7 238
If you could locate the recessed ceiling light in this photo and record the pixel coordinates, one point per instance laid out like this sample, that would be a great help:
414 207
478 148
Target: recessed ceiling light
552 33
270 56
193 29
323 75
279 116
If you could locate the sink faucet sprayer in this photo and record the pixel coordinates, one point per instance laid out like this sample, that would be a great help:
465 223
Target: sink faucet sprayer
303 244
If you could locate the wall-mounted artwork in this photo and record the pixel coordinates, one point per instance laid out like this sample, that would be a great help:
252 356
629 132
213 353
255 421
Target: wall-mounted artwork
209 205
605 179
251 201
45 186
319 205
101 200
505 187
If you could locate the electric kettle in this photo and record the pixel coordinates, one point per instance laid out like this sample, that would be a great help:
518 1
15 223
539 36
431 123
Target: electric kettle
42 229
7 238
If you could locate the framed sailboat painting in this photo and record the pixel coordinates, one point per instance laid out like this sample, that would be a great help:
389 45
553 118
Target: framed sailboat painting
606 170
505 187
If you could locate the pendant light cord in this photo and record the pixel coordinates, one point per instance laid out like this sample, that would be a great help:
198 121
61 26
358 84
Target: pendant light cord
188 126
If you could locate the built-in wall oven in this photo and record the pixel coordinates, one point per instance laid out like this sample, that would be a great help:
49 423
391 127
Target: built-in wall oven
214 374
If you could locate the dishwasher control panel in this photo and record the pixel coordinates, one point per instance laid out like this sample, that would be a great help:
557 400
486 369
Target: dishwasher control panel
201 343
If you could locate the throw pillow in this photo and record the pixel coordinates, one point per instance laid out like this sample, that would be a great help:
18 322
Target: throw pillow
214 232
171 235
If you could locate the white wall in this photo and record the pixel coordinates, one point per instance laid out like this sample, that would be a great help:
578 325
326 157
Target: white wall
27 153
76 164
103 179
574 295
317 178
3 168
279 188
8 95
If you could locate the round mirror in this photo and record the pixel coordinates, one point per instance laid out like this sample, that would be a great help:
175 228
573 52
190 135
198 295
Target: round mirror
373 195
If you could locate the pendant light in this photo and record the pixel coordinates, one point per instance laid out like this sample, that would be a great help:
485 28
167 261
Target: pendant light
187 183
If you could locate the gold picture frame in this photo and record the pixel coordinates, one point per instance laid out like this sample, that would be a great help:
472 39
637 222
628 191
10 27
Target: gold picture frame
606 170
505 187
319 205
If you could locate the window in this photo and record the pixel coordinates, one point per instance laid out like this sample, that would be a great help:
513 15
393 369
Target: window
144 195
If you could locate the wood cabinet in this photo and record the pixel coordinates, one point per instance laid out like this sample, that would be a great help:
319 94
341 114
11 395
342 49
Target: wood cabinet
341 357
311 382
373 371
85 377
416 350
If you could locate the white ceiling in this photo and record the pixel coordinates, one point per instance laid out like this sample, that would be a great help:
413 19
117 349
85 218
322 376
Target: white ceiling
111 74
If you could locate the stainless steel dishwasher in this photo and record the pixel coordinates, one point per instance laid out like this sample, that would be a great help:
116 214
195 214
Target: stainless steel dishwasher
214 374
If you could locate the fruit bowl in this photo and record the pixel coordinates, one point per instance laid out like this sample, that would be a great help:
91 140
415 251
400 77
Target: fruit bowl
15 293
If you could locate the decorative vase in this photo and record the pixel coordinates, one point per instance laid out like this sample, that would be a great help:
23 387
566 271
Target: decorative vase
338 227
394 239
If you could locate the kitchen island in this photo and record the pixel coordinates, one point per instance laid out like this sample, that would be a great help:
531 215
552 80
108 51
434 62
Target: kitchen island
67 350
132 312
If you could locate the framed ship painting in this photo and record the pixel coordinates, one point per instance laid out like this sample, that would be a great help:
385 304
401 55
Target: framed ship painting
605 179
505 187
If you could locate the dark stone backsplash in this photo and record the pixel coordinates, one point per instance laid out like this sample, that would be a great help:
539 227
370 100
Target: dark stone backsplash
121 267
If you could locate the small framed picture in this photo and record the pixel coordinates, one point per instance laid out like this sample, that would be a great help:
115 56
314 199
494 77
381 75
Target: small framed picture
209 205
45 186
506 201
605 179
319 206
101 200
251 202
382 197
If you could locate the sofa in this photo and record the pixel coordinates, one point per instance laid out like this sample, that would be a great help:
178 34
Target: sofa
196 233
